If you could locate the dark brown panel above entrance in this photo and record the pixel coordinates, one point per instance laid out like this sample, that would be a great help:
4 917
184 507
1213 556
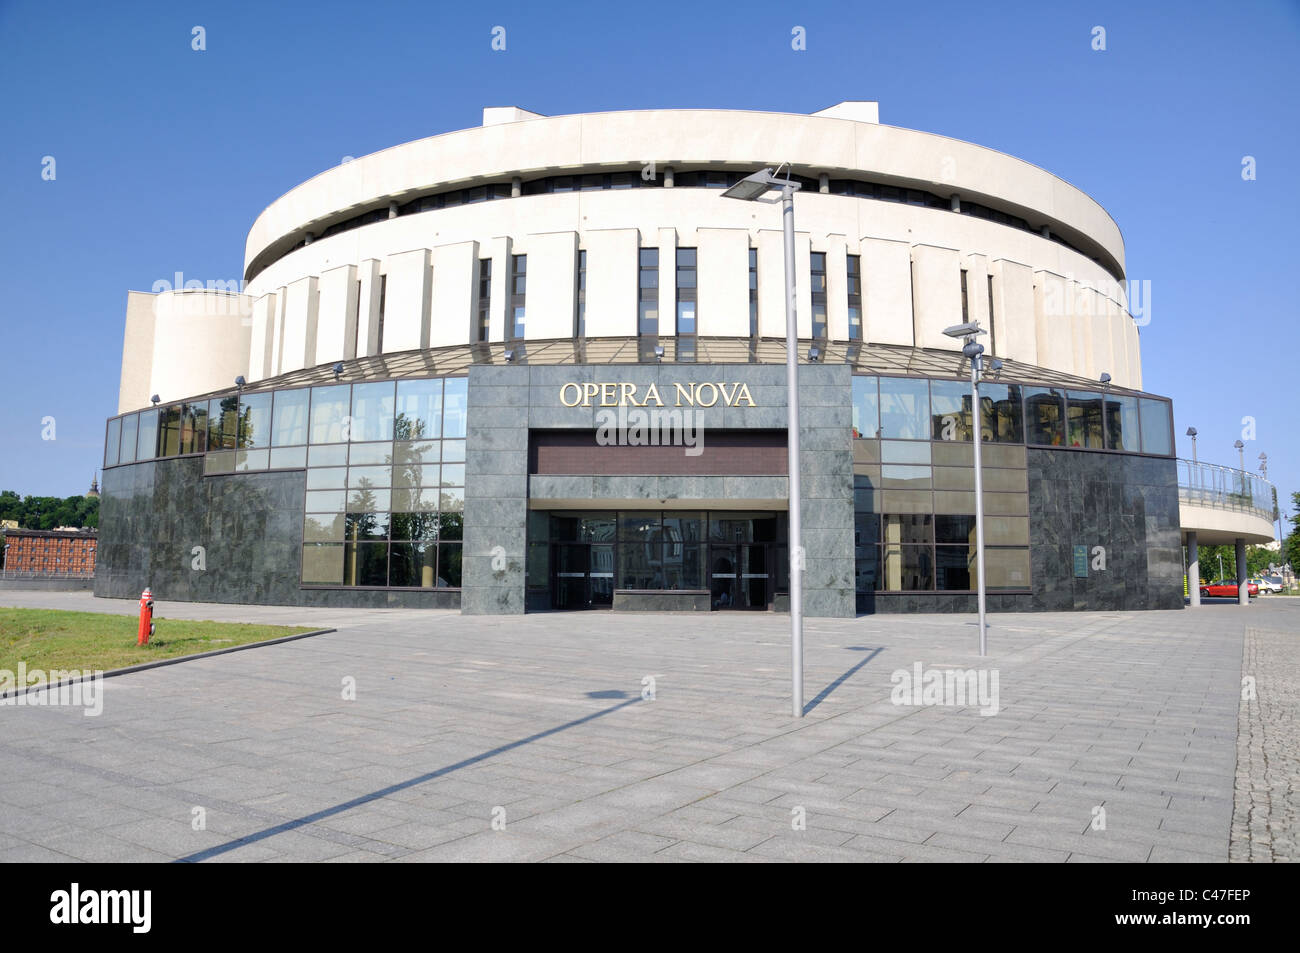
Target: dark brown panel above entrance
704 453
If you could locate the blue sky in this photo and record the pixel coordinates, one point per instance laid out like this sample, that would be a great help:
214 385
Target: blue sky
166 155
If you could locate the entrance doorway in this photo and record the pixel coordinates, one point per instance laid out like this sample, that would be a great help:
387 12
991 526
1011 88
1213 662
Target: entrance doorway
584 576
740 576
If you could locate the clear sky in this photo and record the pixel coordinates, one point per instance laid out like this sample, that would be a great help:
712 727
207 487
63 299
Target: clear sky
165 155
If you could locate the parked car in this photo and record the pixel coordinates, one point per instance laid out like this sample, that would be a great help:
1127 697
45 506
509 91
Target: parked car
1268 584
1227 588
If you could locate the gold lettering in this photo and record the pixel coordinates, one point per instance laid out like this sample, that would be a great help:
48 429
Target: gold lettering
744 395
577 390
627 394
699 394
588 392
607 394
683 392
652 393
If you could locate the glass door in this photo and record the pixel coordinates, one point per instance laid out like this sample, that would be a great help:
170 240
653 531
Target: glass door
755 576
569 586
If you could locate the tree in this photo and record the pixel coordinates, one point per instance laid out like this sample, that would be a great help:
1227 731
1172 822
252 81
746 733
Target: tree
47 512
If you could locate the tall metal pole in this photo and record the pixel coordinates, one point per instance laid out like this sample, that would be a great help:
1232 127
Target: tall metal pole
792 445
977 420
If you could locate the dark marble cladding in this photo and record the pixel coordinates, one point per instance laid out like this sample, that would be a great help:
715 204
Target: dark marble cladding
1128 504
153 514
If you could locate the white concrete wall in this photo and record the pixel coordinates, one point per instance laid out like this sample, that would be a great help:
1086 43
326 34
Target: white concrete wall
407 300
723 282
936 295
552 285
201 342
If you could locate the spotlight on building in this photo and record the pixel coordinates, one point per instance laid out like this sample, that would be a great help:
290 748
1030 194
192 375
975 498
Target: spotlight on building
1105 380
659 352
509 356
338 370
154 400
814 354
995 366
240 382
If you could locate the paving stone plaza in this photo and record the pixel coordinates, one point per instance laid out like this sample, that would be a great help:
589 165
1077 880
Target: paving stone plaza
1118 736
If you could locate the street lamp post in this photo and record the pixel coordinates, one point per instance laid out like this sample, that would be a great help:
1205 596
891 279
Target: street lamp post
973 351
752 188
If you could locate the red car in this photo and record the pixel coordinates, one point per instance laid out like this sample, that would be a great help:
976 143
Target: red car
1228 589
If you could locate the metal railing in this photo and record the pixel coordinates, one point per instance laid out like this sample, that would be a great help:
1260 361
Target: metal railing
1207 484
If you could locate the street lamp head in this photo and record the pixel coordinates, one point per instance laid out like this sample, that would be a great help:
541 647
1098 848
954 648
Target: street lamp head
751 186
240 382
969 329
1191 432
154 400
1238 445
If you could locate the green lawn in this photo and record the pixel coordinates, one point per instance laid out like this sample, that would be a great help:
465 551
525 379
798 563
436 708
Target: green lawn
48 639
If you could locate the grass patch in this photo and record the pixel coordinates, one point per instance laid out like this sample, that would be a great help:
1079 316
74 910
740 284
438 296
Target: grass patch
48 639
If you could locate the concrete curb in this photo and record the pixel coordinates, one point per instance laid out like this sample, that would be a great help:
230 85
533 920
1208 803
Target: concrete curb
145 666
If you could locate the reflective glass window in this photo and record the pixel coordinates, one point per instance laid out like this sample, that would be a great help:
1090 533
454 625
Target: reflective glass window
866 407
112 442
372 411
950 410
130 426
1045 416
454 403
1122 430
290 427
254 421
904 408
148 441
1157 433
330 406
419 410
1083 419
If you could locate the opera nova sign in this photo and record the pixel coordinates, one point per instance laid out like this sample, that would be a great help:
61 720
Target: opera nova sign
626 394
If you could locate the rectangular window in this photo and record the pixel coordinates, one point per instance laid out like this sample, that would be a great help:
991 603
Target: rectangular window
383 299
254 421
484 299
169 430
965 301
686 290
1045 416
111 442
356 324
1122 424
904 408
818 283
1083 419
518 285
580 305
289 423
753 292
148 435
993 341
1157 433
866 407
854 271
648 292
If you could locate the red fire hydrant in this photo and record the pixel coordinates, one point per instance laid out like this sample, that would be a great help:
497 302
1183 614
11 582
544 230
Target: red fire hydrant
146 618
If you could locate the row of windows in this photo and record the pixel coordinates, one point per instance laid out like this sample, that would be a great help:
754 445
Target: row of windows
601 181
910 408
255 430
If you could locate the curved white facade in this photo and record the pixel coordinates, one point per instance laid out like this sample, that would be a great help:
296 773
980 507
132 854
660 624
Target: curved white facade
1051 288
